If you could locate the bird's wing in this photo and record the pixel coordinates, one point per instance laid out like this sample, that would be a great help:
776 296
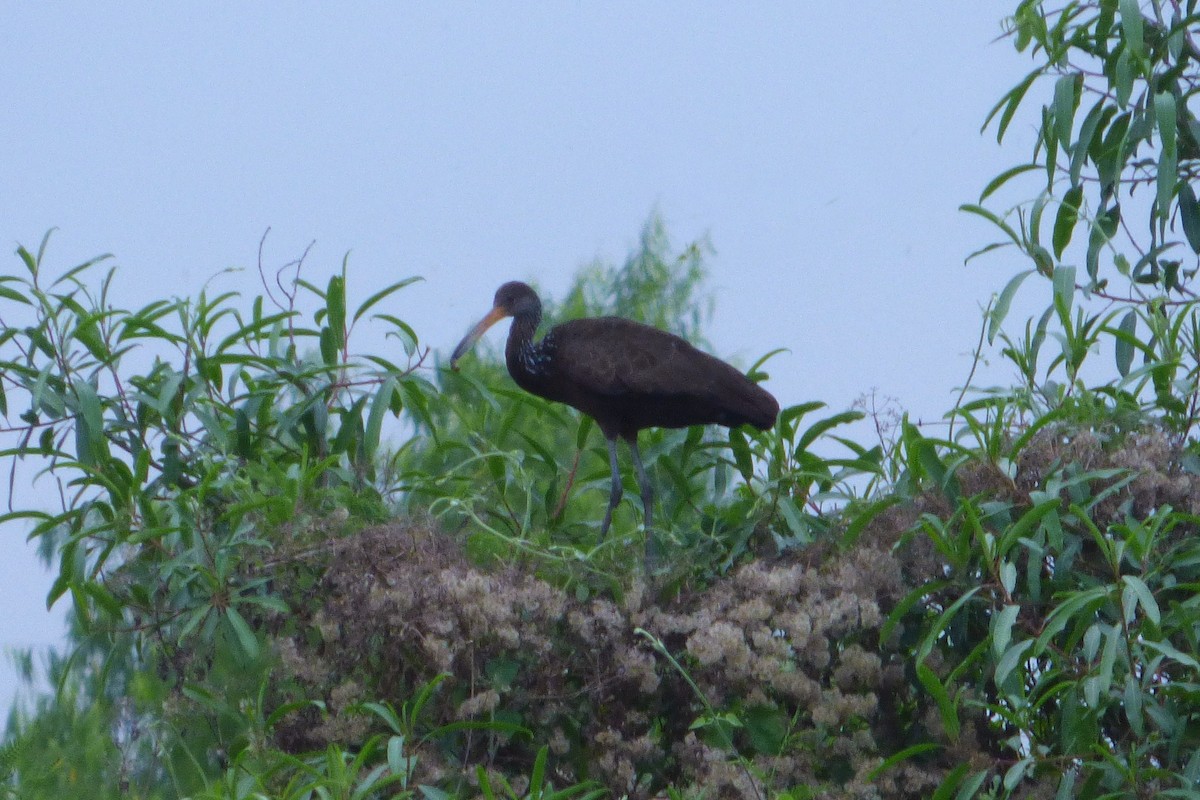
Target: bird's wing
615 356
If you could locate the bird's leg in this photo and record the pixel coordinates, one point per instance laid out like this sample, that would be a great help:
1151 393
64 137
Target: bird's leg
614 495
653 555
644 483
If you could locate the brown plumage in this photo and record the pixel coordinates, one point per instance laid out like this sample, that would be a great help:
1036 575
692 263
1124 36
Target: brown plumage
625 375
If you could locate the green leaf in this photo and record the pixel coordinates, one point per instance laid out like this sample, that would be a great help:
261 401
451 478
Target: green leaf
1124 345
1136 587
1016 773
767 729
1189 215
1050 139
1132 23
1110 155
1102 230
1067 611
335 301
245 636
1035 222
1003 302
980 211
940 696
538 776
397 763
987 248
1012 658
741 454
1133 705
863 517
14 295
1107 660
90 444
103 598
404 332
380 404
70 275
971 788
938 628
382 294
950 782
586 424
1064 221
242 434
901 757
28 259
255 330
818 429
87 333
172 465
1123 77
1064 286
1172 653
1168 159
1003 178
1002 628
1088 137
1025 525
484 781
1010 102
794 520
1065 99
1175 39
1066 785
905 605
329 347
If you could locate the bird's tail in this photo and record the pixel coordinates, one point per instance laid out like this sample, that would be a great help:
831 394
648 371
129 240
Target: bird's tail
747 403
762 407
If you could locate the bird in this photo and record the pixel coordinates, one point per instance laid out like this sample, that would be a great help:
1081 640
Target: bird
625 375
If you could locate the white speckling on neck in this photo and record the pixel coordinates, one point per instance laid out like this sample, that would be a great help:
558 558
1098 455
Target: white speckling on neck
536 357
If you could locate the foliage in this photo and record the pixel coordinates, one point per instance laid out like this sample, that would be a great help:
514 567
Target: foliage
1115 226
1061 637
180 441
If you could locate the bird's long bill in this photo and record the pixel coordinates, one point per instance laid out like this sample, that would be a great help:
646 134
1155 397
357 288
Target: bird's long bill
493 316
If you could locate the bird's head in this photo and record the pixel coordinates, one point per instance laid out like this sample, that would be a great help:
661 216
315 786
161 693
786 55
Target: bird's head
513 299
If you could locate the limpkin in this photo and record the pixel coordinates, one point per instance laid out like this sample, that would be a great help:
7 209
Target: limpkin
623 374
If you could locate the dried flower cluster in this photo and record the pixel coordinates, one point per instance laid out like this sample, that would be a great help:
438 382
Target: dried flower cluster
1149 456
790 648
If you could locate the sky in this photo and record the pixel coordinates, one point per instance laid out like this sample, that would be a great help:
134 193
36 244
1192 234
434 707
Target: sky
822 148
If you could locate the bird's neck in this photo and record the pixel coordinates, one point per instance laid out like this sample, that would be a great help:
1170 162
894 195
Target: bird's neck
523 355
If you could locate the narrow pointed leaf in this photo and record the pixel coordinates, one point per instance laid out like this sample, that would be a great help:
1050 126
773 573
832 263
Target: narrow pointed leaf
1145 598
335 301
1124 343
1003 302
90 444
379 407
1133 24
945 704
245 636
382 294
1064 221
1005 177
1064 108
1189 215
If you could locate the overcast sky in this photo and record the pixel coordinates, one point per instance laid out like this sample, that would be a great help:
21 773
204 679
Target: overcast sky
823 148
